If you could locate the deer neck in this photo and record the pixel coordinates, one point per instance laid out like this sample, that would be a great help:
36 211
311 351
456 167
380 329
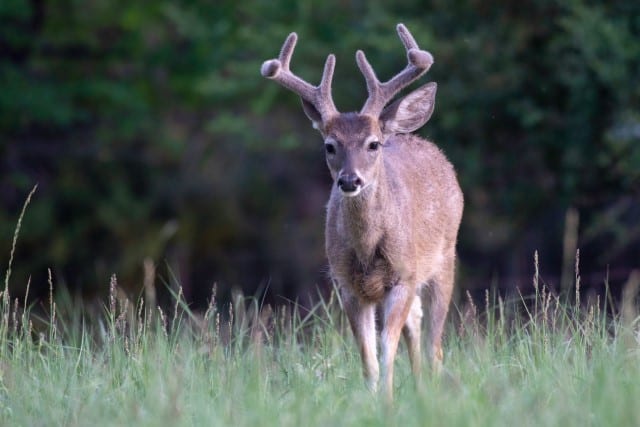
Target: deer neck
363 217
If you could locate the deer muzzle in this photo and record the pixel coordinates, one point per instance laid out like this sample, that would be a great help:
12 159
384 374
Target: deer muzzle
350 184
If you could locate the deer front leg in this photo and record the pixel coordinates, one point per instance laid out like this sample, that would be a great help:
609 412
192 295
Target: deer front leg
363 325
411 332
396 307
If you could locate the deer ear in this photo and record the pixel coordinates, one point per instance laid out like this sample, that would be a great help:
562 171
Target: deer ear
313 114
411 112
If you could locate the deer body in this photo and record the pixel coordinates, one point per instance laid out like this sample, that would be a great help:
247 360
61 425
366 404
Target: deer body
394 211
394 229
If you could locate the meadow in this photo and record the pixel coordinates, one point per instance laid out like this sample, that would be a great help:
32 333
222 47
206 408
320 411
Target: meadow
539 360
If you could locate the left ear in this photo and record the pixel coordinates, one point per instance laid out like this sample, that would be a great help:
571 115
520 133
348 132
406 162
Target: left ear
411 112
313 114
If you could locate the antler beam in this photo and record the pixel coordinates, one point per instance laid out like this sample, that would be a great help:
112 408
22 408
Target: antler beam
319 96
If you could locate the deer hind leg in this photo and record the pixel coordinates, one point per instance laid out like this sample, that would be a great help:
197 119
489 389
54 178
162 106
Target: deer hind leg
439 296
396 307
411 332
363 325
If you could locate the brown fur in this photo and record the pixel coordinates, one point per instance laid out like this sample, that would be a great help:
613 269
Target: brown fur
397 224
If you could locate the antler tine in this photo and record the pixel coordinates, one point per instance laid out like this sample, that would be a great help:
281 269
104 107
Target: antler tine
319 96
374 87
419 61
327 77
287 50
406 37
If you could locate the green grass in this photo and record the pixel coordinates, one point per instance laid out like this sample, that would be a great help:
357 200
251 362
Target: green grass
539 361
556 366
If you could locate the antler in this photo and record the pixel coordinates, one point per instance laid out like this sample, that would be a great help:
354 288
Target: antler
419 61
319 96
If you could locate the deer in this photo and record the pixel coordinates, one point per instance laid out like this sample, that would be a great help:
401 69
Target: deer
394 210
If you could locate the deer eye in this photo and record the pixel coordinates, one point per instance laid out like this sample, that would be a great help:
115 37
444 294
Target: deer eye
373 145
330 148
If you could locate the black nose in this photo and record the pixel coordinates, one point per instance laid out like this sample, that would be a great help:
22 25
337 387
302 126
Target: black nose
349 183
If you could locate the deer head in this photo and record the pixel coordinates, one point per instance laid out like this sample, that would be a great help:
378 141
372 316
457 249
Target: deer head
354 141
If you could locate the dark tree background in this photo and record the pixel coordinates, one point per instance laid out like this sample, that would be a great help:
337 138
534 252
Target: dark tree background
153 136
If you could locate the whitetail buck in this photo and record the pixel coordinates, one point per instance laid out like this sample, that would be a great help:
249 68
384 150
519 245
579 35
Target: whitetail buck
394 211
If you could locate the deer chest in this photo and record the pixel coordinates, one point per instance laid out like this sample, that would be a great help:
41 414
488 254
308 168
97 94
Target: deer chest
370 280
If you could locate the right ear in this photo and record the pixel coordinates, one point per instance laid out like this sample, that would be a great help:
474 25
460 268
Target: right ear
313 114
411 112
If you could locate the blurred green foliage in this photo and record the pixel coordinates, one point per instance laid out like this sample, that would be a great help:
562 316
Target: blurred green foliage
152 135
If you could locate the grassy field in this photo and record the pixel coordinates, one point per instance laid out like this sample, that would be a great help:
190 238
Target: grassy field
548 365
536 361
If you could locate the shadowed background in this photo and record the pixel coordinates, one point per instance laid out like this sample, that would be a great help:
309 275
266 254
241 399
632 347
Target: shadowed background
153 137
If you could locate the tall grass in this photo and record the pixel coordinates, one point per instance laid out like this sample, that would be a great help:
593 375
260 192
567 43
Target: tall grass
539 360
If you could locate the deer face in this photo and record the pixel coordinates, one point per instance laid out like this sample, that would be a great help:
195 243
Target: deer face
353 145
